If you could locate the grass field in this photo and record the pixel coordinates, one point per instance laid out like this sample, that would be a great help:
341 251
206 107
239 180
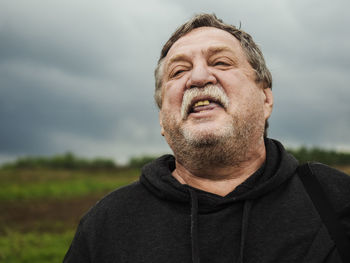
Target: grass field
40 209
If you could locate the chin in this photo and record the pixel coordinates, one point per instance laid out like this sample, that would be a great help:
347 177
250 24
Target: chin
206 135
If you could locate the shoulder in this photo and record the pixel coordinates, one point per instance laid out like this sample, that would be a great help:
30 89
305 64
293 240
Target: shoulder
119 203
335 183
331 178
125 194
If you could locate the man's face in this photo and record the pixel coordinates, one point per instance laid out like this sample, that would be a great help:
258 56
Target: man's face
212 57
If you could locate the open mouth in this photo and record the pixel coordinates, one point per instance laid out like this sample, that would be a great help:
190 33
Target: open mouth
197 100
203 104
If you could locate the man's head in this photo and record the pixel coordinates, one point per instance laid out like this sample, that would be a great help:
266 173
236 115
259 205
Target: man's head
250 49
214 92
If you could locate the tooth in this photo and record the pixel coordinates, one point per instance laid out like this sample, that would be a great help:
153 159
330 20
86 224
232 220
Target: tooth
202 103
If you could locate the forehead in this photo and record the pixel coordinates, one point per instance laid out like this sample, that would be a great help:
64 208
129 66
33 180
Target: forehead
203 38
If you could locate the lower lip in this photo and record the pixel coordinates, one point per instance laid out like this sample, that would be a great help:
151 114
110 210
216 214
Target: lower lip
208 110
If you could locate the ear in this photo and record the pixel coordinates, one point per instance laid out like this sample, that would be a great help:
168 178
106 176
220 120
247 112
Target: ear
161 123
268 102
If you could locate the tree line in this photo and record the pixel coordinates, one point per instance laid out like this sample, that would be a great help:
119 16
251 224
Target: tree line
71 162
62 161
315 154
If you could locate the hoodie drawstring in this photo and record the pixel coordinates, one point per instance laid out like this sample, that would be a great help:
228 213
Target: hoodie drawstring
194 226
246 209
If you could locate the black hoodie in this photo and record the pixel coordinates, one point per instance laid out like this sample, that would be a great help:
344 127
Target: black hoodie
268 218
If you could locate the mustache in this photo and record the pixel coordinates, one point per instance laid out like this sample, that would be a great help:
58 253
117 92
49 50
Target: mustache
210 91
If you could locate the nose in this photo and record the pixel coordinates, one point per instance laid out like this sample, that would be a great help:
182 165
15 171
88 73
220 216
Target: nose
200 76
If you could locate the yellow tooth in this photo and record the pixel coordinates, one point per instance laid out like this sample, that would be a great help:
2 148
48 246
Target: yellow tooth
201 103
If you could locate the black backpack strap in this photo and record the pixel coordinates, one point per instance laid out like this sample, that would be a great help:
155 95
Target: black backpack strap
325 210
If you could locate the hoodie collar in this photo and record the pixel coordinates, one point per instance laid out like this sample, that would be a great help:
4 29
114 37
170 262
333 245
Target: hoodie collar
278 167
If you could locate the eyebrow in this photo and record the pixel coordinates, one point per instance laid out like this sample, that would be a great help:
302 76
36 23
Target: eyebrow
177 58
217 49
211 51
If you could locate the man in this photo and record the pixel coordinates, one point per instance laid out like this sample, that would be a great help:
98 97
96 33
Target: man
229 194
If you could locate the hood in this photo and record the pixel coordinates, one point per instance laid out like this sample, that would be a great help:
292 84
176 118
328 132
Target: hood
278 167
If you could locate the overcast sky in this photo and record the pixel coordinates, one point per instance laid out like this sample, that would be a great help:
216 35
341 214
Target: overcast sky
78 75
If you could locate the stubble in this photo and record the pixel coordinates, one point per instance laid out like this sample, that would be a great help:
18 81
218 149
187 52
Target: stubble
231 145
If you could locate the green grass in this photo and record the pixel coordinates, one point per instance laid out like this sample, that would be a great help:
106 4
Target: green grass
34 247
38 184
47 238
68 189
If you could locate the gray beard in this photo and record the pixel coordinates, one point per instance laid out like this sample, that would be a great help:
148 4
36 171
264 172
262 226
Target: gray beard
229 148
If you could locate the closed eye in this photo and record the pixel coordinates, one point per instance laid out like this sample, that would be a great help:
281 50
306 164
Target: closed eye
177 72
221 63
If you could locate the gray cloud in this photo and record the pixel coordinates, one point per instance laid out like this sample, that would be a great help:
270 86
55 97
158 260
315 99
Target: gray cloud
77 75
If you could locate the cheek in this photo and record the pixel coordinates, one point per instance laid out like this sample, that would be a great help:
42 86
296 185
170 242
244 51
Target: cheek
246 101
235 76
234 82
173 95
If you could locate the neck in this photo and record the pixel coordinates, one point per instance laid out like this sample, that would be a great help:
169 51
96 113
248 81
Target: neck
220 180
